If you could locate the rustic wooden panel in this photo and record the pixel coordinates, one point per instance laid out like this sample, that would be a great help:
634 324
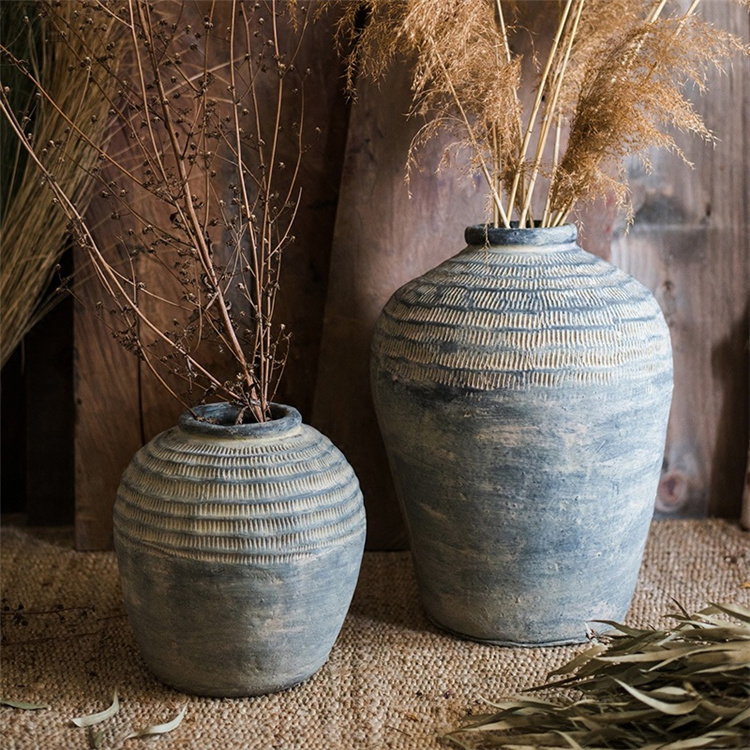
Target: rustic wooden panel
108 419
383 238
691 245
304 274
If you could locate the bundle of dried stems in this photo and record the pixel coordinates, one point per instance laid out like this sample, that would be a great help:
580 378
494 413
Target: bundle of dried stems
193 184
677 688
611 86
34 232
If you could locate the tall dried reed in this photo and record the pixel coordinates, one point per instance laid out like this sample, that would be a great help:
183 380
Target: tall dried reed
197 196
34 230
613 79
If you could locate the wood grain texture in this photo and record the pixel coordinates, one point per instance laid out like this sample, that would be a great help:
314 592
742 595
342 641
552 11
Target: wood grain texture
383 238
108 421
304 273
690 244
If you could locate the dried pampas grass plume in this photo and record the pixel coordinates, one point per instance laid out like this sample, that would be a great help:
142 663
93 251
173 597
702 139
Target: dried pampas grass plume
613 78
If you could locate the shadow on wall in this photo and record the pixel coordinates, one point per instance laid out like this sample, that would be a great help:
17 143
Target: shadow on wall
732 436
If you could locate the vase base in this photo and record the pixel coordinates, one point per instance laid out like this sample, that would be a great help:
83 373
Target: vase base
239 691
508 643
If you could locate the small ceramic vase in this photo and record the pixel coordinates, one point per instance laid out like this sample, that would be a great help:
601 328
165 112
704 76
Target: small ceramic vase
239 548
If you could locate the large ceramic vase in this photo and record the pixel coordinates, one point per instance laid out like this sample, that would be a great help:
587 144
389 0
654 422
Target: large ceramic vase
522 390
239 548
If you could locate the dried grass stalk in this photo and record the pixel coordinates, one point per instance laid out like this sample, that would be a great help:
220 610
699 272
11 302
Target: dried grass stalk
674 689
34 229
613 76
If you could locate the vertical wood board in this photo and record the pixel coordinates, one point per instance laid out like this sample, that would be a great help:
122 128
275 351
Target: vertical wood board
690 244
386 234
108 420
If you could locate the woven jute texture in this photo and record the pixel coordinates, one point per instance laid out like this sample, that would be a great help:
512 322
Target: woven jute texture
392 681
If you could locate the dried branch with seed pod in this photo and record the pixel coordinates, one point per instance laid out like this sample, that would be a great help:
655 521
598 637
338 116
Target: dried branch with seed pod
195 191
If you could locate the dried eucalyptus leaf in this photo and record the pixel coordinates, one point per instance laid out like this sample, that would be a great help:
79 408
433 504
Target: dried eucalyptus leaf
619 627
579 660
673 709
97 718
96 738
735 610
690 743
23 706
741 718
159 728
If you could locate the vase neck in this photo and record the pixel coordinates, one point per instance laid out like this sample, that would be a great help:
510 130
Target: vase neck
484 235
218 421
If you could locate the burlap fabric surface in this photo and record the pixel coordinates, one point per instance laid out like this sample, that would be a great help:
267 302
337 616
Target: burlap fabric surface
393 680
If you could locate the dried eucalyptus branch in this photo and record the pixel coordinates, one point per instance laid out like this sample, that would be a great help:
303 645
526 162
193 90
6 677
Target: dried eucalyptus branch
196 194
613 77
673 689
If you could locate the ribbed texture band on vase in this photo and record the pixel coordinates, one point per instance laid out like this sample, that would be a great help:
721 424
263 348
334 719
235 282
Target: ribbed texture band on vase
515 317
237 500
239 547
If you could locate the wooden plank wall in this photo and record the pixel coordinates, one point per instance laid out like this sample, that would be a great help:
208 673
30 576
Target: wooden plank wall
690 244
360 236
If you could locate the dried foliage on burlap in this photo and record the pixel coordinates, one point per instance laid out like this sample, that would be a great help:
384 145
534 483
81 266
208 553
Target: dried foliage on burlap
675 689
612 84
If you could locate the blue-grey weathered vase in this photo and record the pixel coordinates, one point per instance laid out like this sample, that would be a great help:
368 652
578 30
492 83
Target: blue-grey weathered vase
522 390
239 548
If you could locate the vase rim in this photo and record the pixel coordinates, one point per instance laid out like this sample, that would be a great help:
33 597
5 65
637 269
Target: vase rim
217 421
484 235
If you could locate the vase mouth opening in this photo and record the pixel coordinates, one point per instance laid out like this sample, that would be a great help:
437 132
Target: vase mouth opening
220 420
485 235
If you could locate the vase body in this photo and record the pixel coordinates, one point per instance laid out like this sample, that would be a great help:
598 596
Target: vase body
523 390
239 549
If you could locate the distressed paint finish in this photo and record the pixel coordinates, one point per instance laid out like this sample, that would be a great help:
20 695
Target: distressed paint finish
239 549
523 391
